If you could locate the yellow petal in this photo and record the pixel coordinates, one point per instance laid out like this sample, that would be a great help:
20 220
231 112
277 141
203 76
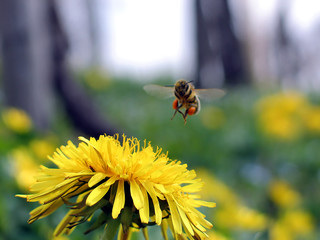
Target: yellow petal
161 188
136 194
43 185
198 220
96 179
44 210
53 193
195 187
185 220
97 194
21 195
68 218
176 221
111 180
80 174
155 201
164 229
144 211
145 233
205 203
119 200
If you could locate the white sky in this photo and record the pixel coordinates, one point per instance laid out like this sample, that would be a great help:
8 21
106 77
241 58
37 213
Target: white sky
304 14
144 38
149 37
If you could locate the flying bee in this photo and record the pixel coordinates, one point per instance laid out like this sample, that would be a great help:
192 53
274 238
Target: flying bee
186 96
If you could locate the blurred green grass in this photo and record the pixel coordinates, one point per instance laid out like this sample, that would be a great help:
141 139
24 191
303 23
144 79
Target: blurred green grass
235 148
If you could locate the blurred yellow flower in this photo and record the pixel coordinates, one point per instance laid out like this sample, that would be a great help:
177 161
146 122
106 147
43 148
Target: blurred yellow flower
279 231
16 120
230 213
250 219
216 189
212 117
280 115
133 185
216 236
97 79
25 167
289 101
299 221
240 217
41 148
312 119
293 225
226 217
281 125
283 195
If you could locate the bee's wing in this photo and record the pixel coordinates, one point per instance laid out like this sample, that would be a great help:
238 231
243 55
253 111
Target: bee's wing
210 94
159 91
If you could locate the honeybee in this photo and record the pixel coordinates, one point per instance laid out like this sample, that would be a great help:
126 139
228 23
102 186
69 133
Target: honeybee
186 96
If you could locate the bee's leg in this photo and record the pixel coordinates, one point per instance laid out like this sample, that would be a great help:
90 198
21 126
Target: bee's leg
175 112
185 115
176 106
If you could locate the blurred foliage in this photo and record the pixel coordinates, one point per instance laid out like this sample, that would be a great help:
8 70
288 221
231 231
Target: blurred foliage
257 151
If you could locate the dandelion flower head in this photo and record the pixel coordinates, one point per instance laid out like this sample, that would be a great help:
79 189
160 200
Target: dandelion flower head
17 120
280 114
132 184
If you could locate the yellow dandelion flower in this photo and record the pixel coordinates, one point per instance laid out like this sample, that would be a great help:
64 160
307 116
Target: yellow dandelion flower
133 185
217 190
231 212
280 115
97 79
288 102
283 194
299 221
216 236
279 231
312 119
283 126
25 167
293 224
17 120
41 148
251 219
241 217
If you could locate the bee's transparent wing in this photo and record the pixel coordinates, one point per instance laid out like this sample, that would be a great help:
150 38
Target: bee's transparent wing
210 94
159 91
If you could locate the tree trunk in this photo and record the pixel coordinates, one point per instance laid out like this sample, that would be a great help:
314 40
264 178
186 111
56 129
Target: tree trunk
219 56
27 68
34 64
83 113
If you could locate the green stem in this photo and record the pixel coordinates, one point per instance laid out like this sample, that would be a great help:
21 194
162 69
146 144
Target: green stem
111 229
125 235
145 233
126 218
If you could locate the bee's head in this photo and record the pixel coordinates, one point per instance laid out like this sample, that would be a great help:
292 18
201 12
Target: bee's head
182 85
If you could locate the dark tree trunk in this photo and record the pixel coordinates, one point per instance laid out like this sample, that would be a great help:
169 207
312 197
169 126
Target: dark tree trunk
287 53
34 49
27 67
81 110
219 56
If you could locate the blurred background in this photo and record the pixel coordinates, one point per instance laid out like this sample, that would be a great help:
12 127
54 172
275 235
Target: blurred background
78 67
